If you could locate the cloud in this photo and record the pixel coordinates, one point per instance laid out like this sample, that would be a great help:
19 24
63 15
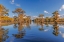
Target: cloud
59 9
45 12
62 8
18 5
13 2
34 16
62 16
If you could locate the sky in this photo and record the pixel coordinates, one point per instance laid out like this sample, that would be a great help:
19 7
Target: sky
35 7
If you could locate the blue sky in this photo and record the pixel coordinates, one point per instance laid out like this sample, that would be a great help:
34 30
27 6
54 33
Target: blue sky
35 7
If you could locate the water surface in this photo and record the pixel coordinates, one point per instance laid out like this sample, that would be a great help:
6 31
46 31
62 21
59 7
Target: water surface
33 33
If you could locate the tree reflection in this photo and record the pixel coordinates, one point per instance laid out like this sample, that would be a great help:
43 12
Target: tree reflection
47 24
41 24
55 31
3 34
28 25
21 31
15 25
55 26
19 35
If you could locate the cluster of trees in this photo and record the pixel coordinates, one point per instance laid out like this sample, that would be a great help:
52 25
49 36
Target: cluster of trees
19 11
4 12
55 17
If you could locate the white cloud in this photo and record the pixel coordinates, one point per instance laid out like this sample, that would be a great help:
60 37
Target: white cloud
17 5
59 9
62 8
61 15
13 2
35 16
45 12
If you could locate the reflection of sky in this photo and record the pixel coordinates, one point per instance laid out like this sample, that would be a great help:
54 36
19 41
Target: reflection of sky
44 26
61 30
62 34
34 34
61 26
11 29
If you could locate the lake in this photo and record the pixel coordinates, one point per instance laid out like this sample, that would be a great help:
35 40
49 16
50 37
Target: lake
33 32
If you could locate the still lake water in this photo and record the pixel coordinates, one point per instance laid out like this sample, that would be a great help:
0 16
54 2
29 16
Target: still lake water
34 33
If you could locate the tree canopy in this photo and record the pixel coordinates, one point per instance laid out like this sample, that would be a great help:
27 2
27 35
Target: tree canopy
3 10
41 15
18 11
